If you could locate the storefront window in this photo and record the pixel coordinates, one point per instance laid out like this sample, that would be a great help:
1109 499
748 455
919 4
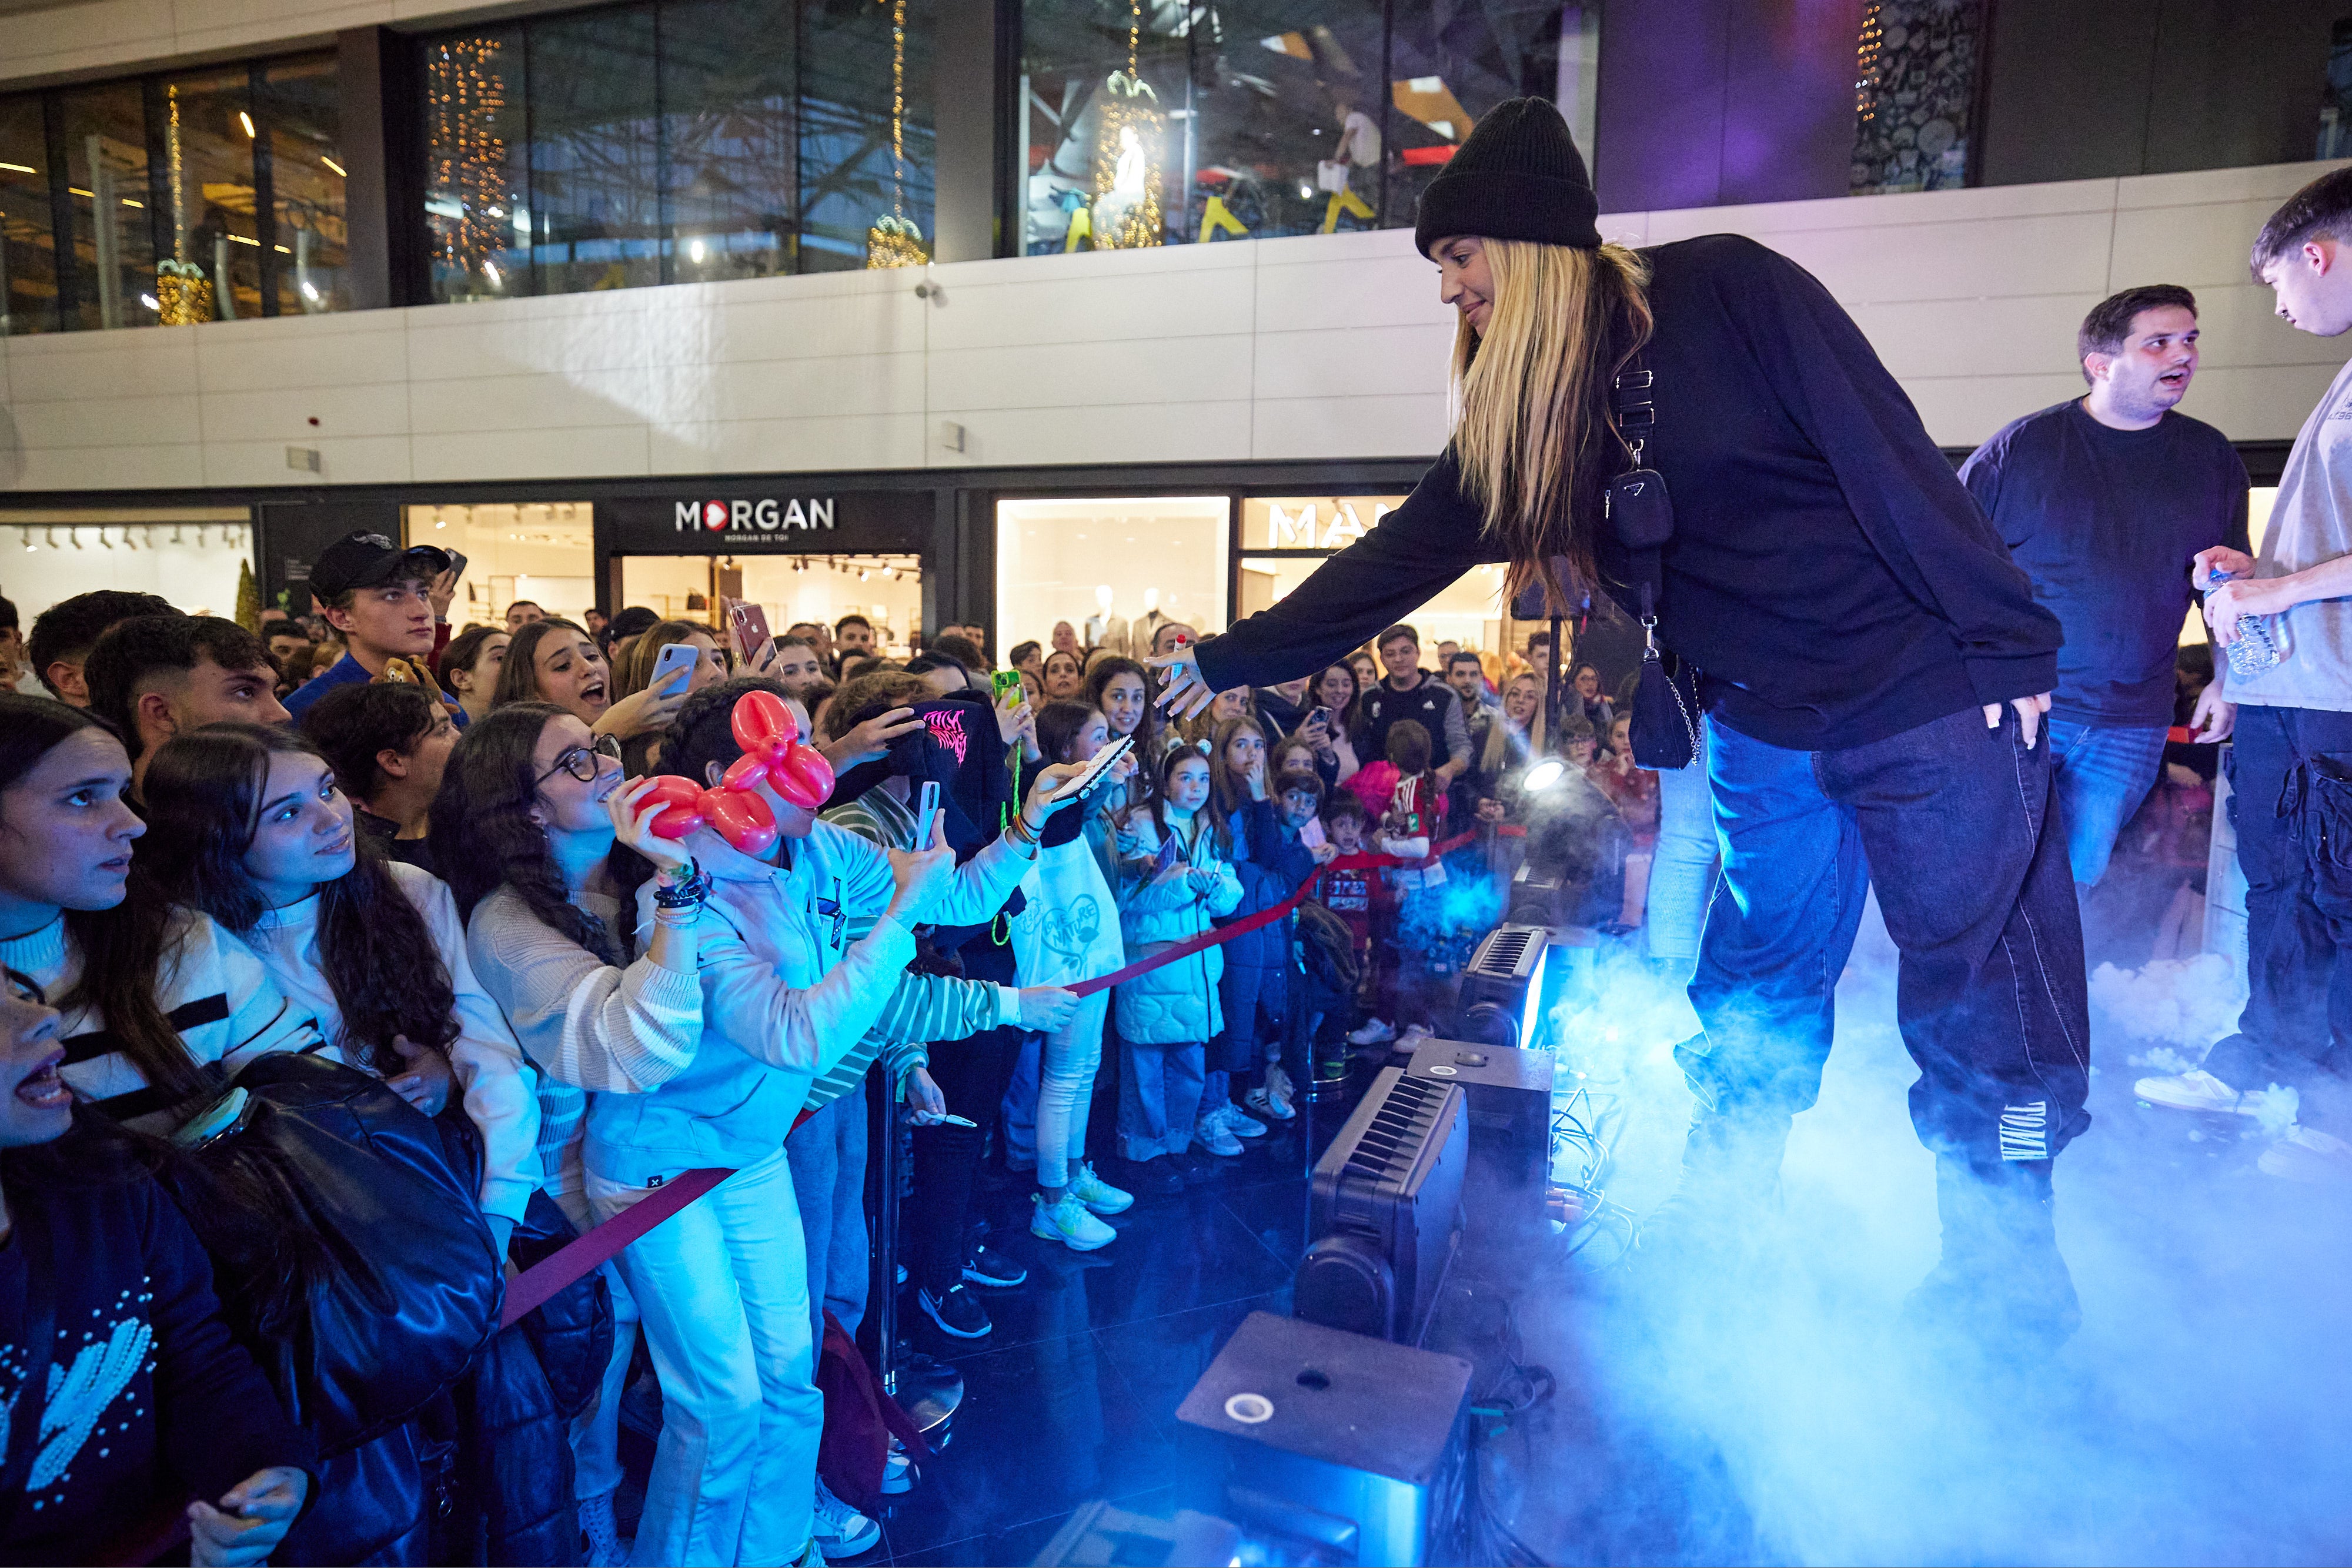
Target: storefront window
302 115
113 244
191 556
1286 537
595 201
729 128
1448 65
850 177
541 550
1114 569
28 254
673 141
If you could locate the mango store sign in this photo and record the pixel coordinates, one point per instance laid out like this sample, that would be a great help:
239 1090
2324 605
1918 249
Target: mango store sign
1311 522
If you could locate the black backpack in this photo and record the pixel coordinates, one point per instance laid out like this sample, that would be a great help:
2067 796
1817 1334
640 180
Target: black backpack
1328 949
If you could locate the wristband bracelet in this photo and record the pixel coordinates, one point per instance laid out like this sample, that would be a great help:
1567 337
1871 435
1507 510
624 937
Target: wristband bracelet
686 894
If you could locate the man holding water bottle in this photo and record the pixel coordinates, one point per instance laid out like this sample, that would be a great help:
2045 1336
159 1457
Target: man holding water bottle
2104 500
2283 621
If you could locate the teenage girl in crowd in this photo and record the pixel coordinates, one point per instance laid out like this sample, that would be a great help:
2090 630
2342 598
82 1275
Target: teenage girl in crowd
1271 864
470 665
1068 930
1167 1016
634 672
722 1287
556 661
247 826
541 839
92 1238
160 1005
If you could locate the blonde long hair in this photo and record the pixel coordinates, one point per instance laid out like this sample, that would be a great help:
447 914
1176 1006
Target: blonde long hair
1532 426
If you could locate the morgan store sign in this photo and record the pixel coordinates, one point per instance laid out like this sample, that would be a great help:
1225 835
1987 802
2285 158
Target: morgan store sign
753 520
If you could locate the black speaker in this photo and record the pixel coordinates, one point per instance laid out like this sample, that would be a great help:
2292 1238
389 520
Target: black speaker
1384 1210
1337 1425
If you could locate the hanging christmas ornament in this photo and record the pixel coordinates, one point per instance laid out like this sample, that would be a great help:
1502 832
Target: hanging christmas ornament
1130 130
897 240
182 294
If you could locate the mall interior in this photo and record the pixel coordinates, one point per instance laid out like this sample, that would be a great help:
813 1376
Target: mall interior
1055 322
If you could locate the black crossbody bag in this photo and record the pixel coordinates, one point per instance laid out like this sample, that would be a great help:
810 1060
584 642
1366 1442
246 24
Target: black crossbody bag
1664 731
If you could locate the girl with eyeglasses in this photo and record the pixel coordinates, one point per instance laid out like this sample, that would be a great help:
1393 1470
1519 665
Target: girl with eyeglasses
544 839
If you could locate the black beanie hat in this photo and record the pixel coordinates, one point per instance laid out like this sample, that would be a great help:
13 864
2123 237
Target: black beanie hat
1517 177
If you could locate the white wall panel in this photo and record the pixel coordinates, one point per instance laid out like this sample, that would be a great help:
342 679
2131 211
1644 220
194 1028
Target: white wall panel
1313 346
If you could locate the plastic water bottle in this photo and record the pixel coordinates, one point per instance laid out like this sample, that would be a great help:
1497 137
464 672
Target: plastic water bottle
2264 642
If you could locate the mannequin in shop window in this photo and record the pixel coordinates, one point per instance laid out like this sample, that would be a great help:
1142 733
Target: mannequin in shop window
1104 630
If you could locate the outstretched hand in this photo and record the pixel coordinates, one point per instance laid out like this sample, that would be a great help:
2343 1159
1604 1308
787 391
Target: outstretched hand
1182 692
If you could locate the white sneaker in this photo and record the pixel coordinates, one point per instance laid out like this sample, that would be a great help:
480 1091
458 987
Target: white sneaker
1098 1195
1372 1032
841 1531
1068 1223
2197 1091
1414 1033
602 1533
2307 1155
1211 1134
898 1470
1238 1121
1278 1095
1263 1102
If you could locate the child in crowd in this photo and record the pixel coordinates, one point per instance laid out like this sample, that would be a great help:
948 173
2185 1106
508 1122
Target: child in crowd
1178 878
1302 847
1401 794
1254 989
1068 930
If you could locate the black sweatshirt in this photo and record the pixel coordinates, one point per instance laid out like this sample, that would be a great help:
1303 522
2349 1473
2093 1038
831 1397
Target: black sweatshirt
154 1402
1828 573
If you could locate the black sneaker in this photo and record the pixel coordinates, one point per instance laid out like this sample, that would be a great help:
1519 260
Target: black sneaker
958 1314
1151 1178
993 1268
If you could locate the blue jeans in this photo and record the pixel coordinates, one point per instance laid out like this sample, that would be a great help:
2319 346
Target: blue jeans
1991 1000
2102 773
2293 813
828 1153
1682 874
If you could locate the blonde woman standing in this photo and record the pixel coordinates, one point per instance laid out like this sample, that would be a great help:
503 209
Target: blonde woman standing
1874 674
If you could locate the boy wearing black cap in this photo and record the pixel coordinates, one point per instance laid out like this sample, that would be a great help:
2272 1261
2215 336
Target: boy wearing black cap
1874 670
388 604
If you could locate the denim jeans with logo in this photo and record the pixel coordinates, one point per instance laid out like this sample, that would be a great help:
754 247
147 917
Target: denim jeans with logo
1952 822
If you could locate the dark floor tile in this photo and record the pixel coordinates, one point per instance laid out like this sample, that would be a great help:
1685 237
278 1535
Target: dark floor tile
1163 1357
1275 1213
1025 1542
1171 1257
1043 1428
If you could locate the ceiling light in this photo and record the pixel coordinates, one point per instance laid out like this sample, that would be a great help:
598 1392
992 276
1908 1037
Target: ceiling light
694 249
491 270
19 168
247 120
148 300
28 538
331 164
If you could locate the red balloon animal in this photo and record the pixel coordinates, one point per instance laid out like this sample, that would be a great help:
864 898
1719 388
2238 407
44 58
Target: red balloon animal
773 753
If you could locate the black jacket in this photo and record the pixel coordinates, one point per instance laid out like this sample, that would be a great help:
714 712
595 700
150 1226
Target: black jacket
1828 573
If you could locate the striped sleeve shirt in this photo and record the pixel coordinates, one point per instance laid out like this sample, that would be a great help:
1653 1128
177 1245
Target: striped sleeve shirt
925 1007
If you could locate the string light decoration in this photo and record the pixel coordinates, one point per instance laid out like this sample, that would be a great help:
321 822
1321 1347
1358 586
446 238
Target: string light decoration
184 296
897 240
465 93
1130 130
1866 63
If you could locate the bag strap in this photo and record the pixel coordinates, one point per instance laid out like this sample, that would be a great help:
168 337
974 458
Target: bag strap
40 1349
1632 400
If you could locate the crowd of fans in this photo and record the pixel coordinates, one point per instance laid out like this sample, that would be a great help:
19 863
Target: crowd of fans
424 859
429 857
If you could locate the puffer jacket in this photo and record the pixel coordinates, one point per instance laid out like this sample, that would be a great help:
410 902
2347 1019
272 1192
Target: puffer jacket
1269 864
1177 1004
